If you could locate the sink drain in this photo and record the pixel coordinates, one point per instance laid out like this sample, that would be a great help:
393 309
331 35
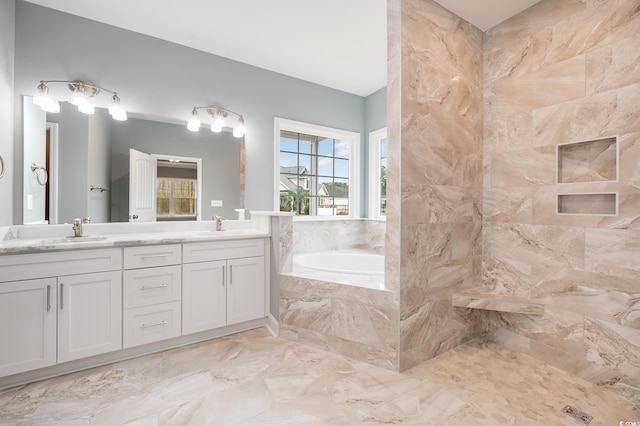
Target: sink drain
577 414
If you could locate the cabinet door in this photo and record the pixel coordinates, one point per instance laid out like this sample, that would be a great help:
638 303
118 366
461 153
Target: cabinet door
89 315
203 296
27 325
245 292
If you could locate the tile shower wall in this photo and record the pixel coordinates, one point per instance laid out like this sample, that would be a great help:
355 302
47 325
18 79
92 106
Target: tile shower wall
565 71
435 174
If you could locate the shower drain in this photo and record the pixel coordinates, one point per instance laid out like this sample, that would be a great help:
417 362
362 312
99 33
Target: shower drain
577 414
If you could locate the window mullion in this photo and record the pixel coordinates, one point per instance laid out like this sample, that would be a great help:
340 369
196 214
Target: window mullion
313 187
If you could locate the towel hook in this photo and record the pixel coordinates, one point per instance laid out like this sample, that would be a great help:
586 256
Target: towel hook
36 170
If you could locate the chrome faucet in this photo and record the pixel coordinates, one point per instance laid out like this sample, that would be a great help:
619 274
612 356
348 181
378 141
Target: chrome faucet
218 220
77 227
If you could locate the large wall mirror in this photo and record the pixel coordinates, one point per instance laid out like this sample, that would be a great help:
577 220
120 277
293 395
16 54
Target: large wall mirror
78 165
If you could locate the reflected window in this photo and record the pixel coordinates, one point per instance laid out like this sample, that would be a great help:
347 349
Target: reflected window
378 143
316 170
176 198
176 189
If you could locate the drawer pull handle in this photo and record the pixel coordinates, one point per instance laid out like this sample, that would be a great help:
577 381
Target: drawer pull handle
223 276
48 298
61 296
155 287
230 274
155 256
153 325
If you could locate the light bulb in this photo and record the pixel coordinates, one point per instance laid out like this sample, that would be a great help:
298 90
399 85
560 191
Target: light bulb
50 106
79 98
216 127
42 99
240 130
193 124
218 122
117 112
87 109
42 95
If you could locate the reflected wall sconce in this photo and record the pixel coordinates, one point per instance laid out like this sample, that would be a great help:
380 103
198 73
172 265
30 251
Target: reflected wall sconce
218 115
82 92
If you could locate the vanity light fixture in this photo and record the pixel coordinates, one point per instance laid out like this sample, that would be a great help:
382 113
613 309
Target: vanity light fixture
218 114
82 92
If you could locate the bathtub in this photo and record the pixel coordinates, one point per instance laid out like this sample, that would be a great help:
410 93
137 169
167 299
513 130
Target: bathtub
361 269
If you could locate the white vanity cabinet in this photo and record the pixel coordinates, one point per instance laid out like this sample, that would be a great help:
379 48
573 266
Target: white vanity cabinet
223 283
152 294
27 325
59 306
89 315
65 307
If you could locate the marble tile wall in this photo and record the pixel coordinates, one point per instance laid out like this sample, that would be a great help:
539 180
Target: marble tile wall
353 321
435 174
320 235
565 71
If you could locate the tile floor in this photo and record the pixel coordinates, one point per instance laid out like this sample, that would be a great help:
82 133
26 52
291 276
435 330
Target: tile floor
252 378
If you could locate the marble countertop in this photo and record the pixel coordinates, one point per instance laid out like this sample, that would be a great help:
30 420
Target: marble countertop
36 244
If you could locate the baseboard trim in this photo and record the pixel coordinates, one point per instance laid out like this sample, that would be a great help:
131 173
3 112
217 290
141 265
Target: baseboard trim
273 325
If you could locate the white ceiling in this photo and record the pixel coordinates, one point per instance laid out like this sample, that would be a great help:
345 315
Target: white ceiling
336 43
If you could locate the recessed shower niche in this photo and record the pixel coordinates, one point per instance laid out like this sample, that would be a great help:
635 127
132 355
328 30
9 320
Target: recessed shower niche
589 161
600 204
593 161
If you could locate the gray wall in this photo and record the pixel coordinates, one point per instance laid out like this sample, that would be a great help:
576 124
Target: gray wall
163 79
220 154
99 161
35 152
73 131
375 110
7 39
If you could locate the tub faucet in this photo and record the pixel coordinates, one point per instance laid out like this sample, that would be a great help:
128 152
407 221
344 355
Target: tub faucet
77 227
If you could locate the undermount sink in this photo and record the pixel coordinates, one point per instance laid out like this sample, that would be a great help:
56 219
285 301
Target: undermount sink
72 239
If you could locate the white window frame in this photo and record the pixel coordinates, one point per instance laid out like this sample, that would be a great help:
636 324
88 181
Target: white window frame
172 212
198 162
375 137
352 138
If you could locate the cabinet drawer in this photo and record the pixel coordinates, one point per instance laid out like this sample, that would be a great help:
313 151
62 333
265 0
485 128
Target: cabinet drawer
151 324
151 286
220 250
146 256
41 265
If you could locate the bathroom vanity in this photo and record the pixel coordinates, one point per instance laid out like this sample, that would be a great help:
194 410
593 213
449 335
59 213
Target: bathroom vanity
68 303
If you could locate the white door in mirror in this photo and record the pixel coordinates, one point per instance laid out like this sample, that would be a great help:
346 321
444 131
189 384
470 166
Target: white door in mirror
142 186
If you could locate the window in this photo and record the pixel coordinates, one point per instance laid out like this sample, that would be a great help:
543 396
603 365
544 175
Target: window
378 173
176 198
178 188
317 170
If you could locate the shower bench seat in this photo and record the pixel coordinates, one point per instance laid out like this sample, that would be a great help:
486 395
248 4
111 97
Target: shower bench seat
482 298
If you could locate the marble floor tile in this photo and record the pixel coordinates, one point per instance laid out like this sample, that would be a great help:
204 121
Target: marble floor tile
252 378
